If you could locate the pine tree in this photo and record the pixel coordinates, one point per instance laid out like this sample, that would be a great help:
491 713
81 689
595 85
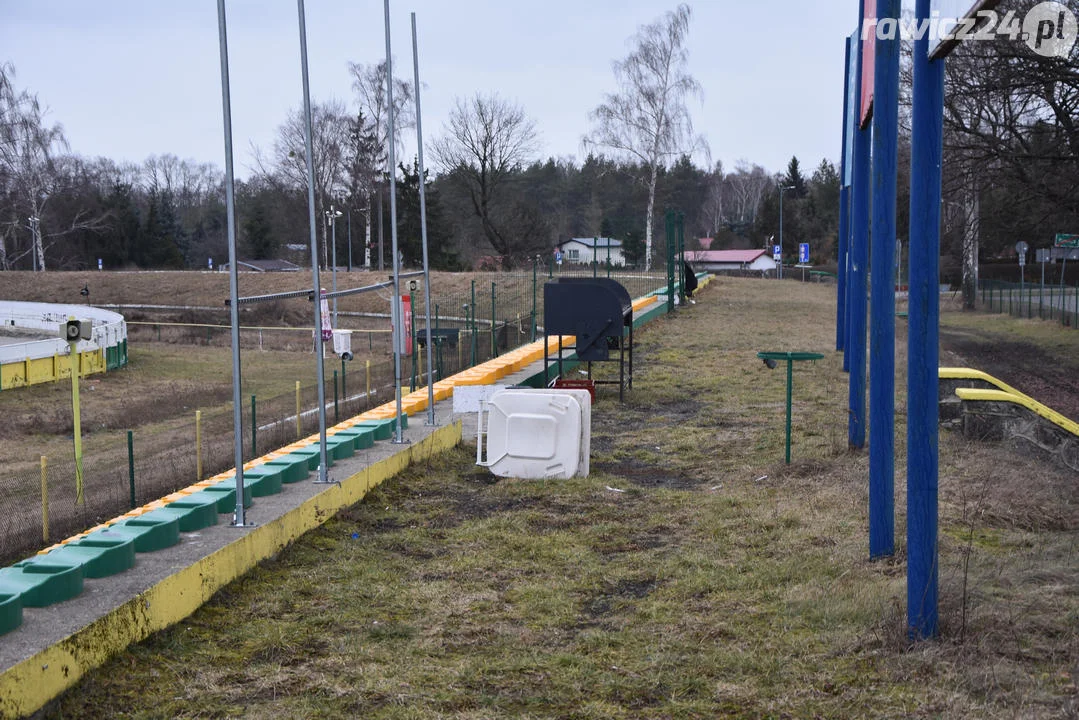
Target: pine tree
258 234
794 179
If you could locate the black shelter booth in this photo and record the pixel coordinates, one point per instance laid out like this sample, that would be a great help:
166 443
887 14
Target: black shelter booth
597 312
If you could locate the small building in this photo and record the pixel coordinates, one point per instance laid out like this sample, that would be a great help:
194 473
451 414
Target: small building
731 260
585 250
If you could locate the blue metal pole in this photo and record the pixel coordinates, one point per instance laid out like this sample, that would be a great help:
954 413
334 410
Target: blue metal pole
882 302
859 259
841 275
924 330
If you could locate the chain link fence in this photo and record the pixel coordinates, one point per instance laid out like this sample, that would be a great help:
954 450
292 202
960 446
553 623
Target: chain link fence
1056 302
493 316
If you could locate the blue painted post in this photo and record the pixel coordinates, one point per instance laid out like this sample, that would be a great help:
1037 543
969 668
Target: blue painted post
841 273
859 259
924 330
882 282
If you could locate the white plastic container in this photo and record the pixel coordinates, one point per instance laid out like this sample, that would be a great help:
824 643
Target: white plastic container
342 343
536 434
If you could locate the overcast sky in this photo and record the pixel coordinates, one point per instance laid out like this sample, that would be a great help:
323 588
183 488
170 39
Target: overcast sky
132 78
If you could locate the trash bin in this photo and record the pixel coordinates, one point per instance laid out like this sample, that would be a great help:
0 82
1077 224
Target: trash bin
342 343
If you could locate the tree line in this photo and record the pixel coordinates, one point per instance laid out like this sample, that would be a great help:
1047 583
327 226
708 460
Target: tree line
1011 173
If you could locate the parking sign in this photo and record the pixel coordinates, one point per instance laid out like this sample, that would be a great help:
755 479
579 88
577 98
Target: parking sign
777 252
803 253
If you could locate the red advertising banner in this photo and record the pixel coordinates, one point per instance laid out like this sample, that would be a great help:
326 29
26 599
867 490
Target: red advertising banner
406 322
327 326
869 52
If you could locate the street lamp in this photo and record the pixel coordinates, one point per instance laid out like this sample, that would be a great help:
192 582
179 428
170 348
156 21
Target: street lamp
782 189
331 217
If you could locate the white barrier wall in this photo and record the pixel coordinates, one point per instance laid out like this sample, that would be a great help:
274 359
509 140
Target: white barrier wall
106 348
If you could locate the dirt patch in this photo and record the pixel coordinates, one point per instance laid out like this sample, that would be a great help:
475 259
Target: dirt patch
646 475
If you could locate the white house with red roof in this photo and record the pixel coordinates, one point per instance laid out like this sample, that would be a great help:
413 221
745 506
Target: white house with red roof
585 250
720 260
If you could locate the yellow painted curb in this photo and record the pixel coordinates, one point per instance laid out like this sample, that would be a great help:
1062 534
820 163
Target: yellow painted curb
26 687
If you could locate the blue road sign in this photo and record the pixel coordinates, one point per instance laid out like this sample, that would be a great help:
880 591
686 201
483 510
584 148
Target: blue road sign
777 252
803 253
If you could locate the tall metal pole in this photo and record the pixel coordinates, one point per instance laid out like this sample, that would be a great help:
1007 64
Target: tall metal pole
844 200
923 354
333 271
858 255
238 518
398 343
782 189
423 231
320 372
882 283
349 211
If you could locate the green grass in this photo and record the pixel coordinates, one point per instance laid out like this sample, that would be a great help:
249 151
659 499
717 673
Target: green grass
692 575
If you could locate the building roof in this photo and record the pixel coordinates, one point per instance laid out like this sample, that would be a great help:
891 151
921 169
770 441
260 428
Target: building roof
594 242
724 256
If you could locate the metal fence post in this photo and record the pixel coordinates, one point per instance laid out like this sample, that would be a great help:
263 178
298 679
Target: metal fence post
367 368
494 342
681 224
299 423
336 411
44 499
198 445
254 429
344 381
131 466
669 232
533 299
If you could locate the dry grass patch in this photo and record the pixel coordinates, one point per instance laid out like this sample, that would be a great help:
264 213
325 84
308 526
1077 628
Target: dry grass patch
693 575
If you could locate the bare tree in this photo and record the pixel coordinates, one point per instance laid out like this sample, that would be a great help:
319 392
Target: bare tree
329 141
647 118
28 166
486 141
748 185
371 147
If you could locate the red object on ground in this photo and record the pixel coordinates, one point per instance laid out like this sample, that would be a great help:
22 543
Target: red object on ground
568 384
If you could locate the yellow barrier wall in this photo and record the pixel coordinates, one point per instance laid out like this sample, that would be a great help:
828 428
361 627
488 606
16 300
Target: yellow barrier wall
49 369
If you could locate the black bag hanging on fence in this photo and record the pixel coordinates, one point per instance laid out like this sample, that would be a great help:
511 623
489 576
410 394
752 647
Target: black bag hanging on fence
691 279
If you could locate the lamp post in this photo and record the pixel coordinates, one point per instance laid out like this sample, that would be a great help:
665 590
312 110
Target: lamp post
782 189
331 217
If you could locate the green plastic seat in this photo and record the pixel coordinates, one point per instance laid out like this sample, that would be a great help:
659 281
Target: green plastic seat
100 557
293 469
265 471
41 584
10 612
156 530
342 446
226 492
195 512
362 437
313 455
262 485
384 429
